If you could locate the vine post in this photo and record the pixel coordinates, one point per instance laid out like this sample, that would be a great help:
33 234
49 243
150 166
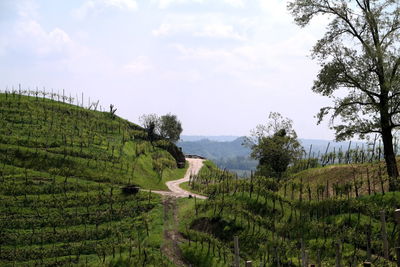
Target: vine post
236 245
397 220
384 236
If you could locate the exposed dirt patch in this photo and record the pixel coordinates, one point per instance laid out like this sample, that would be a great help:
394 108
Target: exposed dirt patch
172 237
175 190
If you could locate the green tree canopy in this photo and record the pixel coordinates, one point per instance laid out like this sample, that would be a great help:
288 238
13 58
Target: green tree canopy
275 145
170 127
167 126
360 59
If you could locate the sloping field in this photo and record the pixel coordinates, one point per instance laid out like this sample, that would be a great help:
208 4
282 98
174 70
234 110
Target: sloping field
275 228
62 168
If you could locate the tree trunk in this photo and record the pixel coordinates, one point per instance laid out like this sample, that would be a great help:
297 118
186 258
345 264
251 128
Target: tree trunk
387 137
390 159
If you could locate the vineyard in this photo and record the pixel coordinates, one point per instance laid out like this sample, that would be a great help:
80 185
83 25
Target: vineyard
67 180
62 171
340 215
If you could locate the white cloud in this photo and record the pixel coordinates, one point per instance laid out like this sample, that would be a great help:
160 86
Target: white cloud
276 10
164 30
27 8
42 42
167 3
219 31
122 4
206 25
138 66
192 76
251 61
90 6
235 3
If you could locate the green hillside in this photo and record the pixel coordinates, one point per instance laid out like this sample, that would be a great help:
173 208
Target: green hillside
352 180
278 227
62 168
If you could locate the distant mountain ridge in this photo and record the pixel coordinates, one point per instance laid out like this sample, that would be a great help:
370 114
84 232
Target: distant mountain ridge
217 138
227 146
228 151
215 149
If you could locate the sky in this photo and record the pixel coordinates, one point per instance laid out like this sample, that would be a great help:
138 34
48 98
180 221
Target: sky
220 65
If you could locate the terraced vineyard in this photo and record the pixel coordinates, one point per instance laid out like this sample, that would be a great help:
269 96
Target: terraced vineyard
295 227
62 168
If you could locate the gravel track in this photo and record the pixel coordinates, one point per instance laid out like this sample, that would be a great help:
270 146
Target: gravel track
194 168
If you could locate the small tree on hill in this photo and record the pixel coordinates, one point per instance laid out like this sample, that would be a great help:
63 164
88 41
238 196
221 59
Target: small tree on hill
167 126
275 145
170 127
150 123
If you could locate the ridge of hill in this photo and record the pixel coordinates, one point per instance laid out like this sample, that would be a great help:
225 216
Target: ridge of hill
62 168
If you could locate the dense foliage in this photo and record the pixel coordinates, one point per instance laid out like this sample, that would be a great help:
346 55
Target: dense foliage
275 146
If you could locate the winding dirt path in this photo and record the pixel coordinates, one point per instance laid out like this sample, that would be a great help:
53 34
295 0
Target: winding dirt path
172 237
194 168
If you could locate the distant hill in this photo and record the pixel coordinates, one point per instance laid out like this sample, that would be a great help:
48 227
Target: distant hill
218 138
321 146
215 149
232 155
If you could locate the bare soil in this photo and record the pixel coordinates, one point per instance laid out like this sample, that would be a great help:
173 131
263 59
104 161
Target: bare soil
172 237
194 168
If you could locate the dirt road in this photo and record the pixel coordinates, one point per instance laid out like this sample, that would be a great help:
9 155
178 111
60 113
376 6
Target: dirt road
172 237
194 168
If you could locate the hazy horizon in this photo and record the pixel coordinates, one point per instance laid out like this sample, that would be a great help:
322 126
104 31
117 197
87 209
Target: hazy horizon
229 138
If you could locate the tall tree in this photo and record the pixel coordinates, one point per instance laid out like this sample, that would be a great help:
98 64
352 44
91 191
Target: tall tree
360 59
275 145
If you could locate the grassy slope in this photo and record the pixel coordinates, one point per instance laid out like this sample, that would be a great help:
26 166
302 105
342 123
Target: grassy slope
270 224
356 179
61 170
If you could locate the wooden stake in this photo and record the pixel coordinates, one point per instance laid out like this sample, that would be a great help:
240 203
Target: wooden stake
397 220
303 254
338 255
236 244
384 236
398 256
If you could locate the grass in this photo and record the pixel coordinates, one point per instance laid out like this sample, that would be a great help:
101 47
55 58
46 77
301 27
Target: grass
62 169
188 188
339 179
272 226
174 174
